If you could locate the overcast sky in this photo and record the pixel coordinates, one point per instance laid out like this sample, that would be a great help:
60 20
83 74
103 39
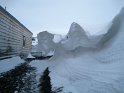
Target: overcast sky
56 16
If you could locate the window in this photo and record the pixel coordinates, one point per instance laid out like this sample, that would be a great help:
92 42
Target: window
24 41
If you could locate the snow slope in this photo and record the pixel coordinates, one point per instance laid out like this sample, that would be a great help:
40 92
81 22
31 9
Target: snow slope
89 64
92 70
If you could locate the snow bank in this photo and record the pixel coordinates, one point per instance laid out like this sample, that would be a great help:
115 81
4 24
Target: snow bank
45 42
86 69
77 37
10 63
89 64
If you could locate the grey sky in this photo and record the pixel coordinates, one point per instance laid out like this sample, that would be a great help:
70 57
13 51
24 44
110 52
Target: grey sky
56 16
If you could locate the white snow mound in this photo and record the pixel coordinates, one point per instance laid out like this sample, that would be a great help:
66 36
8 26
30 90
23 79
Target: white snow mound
78 37
89 64
45 42
82 68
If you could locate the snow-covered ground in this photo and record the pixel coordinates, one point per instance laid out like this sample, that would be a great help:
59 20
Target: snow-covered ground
84 74
89 64
10 63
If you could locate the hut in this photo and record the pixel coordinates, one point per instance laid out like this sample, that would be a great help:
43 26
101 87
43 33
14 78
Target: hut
15 38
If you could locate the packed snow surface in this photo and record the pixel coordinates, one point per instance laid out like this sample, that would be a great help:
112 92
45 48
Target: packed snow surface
10 63
89 64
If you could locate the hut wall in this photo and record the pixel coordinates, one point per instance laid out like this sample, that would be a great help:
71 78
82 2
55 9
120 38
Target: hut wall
15 38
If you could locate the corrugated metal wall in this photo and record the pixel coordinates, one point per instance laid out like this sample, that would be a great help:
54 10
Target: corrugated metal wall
15 39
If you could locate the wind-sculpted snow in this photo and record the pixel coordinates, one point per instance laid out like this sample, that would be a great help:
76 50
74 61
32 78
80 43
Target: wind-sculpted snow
84 63
112 43
78 37
45 42
91 64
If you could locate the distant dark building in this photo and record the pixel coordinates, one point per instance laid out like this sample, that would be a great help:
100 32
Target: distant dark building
15 38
